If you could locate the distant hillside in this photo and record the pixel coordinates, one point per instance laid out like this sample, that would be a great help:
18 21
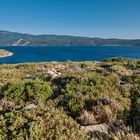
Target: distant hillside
18 39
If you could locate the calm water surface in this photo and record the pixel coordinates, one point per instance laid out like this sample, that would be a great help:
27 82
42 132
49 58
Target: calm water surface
64 53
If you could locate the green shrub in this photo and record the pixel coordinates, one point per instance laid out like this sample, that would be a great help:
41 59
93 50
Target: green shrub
116 59
22 93
41 123
94 92
89 92
134 114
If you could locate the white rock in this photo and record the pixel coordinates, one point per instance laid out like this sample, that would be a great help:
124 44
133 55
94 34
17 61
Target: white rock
53 73
28 107
98 127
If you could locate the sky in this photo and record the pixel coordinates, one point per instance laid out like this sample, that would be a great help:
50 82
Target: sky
93 18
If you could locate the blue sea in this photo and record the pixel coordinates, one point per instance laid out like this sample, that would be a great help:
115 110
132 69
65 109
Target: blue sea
64 53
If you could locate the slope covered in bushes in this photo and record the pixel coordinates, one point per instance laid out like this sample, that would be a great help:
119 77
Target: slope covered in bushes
68 100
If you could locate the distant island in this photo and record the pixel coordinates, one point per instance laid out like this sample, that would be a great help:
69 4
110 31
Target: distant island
18 39
4 53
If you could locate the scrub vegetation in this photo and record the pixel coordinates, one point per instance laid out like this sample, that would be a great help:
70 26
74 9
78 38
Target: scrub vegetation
75 105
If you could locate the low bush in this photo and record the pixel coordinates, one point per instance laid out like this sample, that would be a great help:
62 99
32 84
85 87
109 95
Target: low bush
40 123
23 93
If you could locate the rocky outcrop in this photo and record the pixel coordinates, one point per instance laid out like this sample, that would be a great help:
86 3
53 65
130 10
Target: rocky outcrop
29 107
54 73
97 128
20 42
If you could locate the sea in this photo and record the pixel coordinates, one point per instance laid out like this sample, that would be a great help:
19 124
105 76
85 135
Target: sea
25 54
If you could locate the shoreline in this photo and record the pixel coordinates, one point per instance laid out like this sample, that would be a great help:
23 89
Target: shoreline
67 45
4 53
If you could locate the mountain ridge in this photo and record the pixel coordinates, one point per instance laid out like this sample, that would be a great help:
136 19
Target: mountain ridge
8 38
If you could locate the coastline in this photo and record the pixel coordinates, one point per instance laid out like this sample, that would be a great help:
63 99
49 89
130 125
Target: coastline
4 53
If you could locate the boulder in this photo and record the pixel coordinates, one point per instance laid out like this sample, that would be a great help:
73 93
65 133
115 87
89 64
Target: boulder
29 107
54 73
91 129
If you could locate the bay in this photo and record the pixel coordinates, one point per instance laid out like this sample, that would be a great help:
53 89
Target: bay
24 54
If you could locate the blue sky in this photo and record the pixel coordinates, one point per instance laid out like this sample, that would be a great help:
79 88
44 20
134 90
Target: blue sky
95 18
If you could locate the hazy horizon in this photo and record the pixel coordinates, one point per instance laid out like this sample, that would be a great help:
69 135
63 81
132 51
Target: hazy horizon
71 35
